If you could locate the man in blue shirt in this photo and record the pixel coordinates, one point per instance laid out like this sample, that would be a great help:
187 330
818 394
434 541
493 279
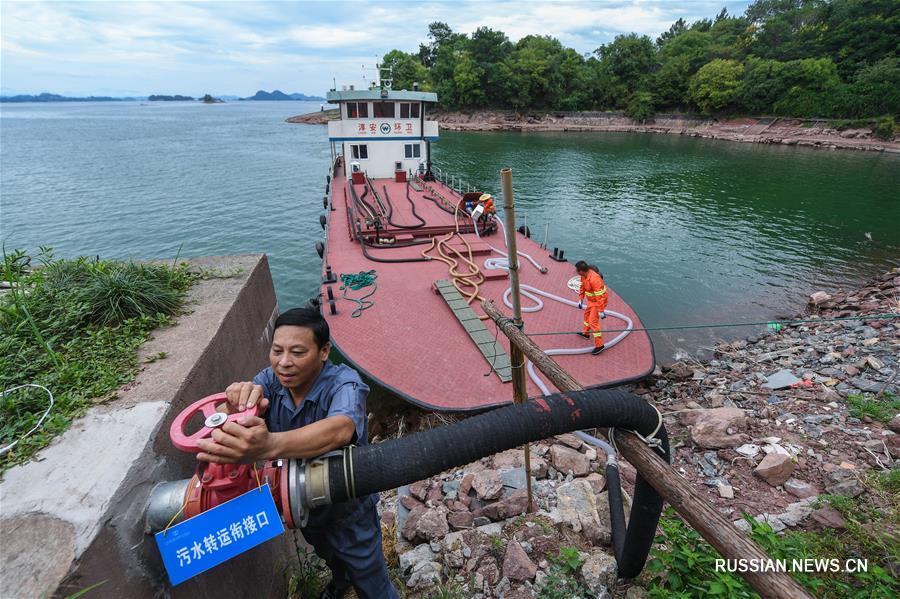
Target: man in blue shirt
311 407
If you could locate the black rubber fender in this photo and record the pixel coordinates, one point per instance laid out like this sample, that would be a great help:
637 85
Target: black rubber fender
320 249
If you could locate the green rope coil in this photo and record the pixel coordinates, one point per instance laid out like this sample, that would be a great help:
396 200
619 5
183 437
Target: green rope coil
356 282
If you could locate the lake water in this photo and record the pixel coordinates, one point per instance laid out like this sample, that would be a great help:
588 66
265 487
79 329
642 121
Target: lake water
687 230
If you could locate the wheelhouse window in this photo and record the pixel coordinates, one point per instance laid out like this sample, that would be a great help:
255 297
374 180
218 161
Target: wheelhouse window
383 110
359 151
357 110
409 110
412 150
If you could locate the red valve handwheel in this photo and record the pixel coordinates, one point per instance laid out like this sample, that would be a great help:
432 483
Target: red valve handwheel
206 406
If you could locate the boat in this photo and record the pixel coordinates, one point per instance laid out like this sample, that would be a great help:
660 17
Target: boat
409 253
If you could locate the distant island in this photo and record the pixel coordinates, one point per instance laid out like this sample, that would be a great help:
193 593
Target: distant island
175 98
45 97
207 99
280 95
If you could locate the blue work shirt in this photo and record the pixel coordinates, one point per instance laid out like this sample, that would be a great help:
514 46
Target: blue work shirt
337 391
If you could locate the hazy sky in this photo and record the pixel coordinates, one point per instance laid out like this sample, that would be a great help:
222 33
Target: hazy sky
235 48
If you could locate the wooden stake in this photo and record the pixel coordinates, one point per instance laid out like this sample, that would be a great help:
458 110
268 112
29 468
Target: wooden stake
692 506
516 358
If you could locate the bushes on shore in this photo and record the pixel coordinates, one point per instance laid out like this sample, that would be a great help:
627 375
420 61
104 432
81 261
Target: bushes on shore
74 326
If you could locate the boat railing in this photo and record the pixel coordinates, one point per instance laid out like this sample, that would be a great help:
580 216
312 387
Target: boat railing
454 182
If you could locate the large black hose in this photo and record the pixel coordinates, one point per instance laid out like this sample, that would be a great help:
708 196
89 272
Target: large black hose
362 242
387 198
401 461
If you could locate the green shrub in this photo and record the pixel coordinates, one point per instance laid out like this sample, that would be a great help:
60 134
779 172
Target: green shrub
640 107
74 326
562 581
879 409
886 128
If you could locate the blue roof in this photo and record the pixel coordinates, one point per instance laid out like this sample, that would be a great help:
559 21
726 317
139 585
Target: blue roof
379 94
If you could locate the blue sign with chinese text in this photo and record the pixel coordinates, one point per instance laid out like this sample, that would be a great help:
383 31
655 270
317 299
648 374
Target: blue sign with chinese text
219 534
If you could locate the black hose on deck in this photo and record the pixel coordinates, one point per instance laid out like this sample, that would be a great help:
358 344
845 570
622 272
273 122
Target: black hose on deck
362 242
405 460
387 198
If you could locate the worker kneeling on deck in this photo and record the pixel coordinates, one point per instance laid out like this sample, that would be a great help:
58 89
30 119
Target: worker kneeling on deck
593 299
311 407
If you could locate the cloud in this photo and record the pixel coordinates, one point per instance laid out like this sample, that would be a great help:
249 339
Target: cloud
232 46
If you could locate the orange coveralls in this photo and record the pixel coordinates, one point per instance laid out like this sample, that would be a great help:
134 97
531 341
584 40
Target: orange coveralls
593 289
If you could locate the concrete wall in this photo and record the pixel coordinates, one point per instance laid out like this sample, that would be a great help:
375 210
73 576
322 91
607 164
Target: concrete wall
75 517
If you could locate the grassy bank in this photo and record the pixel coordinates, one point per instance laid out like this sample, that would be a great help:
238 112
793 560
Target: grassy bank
74 327
684 565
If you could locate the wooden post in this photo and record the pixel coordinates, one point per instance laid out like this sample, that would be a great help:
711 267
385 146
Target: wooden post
516 358
692 506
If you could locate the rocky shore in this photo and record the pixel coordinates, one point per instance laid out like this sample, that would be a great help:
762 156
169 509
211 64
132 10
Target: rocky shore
770 130
785 131
764 428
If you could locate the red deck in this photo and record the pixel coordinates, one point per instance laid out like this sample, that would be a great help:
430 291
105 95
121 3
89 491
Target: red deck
412 344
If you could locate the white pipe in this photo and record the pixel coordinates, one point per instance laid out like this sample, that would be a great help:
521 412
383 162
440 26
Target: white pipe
532 293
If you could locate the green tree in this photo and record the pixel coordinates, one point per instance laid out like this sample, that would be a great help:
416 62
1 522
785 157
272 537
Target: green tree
878 88
628 62
679 59
406 70
715 84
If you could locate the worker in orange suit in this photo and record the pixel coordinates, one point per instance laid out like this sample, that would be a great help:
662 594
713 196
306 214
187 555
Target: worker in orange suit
488 202
593 298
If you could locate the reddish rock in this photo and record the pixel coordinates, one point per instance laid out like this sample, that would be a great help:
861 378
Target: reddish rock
432 524
388 518
465 485
570 440
775 468
509 459
457 506
488 484
710 428
412 520
410 502
799 488
829 517
565 458
419 489
515 504
460 520
515 458
435 494
516 563
597 481
894 424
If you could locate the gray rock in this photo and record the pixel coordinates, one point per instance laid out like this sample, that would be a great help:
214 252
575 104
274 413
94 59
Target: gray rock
577 507
780 380
599 572
409 559
424 575
866 385
847 488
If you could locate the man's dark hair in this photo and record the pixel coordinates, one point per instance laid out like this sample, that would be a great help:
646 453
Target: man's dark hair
581 266
305 317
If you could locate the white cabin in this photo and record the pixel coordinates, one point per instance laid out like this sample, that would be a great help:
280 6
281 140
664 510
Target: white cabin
383 132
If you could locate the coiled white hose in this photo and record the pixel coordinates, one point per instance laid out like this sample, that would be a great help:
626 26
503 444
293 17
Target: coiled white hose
532 293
